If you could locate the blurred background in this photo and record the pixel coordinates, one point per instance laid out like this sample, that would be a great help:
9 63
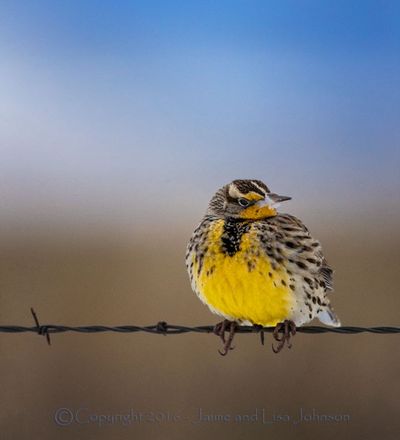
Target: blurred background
118 121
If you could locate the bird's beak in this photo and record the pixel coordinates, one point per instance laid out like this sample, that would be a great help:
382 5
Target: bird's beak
277 198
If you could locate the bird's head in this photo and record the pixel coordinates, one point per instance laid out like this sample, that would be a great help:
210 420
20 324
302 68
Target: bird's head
245 199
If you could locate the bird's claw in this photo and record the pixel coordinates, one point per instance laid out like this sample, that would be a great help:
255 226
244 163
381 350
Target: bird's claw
220 329
283 333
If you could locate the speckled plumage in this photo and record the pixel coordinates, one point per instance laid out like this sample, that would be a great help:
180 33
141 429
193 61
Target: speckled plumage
254 265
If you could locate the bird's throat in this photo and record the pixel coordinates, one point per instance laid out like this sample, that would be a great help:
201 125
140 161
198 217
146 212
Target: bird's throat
258 212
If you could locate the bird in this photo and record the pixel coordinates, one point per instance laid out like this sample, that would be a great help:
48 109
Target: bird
253 265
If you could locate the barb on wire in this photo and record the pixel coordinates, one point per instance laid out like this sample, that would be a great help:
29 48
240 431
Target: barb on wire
41 329
170 329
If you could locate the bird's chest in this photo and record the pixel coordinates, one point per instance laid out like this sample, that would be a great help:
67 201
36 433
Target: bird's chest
237 278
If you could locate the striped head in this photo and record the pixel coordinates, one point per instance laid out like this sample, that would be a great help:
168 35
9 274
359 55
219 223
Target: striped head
245 199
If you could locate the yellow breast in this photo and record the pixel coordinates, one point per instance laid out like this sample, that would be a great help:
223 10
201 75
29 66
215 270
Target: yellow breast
243 286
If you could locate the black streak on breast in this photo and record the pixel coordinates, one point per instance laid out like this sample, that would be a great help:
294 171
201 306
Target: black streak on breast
232 235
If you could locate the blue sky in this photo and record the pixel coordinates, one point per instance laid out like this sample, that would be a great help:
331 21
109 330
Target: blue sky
99 97
99 25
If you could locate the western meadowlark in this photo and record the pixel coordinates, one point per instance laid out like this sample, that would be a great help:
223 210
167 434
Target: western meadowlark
255 266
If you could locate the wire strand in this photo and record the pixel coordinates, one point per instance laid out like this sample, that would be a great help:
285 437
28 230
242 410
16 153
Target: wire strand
171 329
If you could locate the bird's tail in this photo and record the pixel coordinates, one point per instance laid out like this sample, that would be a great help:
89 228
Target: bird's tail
329 317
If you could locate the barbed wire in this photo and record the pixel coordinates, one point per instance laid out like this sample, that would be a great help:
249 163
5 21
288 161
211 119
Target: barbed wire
170 329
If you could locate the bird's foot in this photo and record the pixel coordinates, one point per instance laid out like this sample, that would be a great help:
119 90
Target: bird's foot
220 329
260 329
283 333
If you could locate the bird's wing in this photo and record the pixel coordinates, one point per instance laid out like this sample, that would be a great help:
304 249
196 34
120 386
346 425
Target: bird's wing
294 241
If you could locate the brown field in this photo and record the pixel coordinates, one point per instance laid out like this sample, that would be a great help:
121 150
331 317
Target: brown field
115 279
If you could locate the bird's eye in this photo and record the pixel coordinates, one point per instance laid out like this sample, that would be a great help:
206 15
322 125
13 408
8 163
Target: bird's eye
243 202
